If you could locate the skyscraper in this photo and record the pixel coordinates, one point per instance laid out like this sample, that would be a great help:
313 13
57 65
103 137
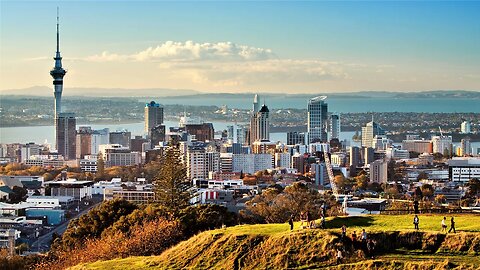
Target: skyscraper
253 131
263 124
153 115
317 119
57 74
335 126
369 131
466 127
259 122
66 135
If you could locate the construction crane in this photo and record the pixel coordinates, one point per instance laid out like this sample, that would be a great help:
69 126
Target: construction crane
331 176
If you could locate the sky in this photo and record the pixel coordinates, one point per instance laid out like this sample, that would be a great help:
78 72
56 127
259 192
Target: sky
288 47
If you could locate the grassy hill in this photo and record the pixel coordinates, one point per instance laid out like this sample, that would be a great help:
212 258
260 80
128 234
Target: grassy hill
274 246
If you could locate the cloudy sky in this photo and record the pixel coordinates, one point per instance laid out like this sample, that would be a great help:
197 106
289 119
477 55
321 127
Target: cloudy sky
296 47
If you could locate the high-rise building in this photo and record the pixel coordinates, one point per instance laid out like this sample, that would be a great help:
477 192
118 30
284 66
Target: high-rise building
295 137
259 123
202 132
120 137
153 116
379 171
335 126
416 145
442 144
118 155
466 127
465 146
157 135
196 167
83 142
369 131
317 114
99 137
28 150
236 133
263 124
66 135
369 155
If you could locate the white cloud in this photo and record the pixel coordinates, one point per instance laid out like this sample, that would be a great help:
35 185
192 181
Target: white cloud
190 51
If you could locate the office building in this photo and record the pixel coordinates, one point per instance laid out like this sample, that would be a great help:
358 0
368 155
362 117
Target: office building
236 134
157 134
66 135
378 171
118 155
442 144
120 137
465 147
369 131
196 165
28 150
201 132
83 142
418 146
369 155
462 169
335 126
259 122
153 116
282 160
295 137
319 170
317 116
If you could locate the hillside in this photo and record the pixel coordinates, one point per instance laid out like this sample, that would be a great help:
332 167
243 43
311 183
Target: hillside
273 246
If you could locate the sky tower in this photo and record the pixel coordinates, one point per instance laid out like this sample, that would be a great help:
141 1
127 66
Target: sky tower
57 74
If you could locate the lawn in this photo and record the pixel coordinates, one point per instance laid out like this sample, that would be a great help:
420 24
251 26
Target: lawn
428 222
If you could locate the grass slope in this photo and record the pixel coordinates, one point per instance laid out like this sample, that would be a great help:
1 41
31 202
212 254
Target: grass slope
273 246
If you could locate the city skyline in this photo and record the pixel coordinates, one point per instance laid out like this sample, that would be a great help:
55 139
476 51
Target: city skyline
235 47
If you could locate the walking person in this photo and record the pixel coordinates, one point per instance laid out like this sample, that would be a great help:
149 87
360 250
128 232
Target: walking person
339 256
307 217
363 237
452 226
344 232
444 224
290 222
323 223
354 239
371 248
302 219
416 220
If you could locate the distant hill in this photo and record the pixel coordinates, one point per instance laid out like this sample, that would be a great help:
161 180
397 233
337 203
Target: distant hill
165 92
100 92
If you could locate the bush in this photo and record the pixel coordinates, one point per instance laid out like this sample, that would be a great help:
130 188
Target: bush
150 238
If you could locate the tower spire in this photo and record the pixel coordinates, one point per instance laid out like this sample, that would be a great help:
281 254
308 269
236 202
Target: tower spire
58 34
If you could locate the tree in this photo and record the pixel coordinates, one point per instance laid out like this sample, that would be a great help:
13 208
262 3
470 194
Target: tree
19 194
473 188
92 224
361 181
427 190
173 189
100 167
275 205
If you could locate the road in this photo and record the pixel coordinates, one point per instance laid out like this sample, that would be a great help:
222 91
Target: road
43 242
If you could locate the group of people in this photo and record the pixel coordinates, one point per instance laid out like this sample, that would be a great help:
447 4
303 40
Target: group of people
305 218
416 222
363 242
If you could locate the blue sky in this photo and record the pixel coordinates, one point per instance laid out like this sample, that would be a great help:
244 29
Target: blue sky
291 46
